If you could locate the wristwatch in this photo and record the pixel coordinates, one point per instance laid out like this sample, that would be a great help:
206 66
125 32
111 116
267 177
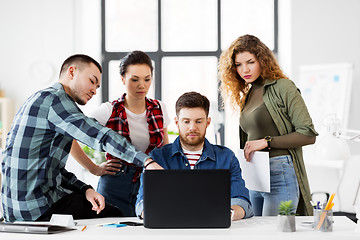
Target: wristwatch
268 140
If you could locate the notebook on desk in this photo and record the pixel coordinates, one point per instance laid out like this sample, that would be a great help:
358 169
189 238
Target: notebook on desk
34 228
187 198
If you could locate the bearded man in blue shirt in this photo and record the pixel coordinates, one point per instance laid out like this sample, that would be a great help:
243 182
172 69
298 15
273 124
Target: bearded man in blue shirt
35 183
191 150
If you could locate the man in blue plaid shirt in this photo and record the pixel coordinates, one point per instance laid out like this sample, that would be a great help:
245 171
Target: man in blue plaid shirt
35 182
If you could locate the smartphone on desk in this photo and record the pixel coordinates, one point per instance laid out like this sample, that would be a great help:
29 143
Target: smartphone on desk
129 223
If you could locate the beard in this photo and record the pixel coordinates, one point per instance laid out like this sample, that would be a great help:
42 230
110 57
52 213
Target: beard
191 142
80 101
80 98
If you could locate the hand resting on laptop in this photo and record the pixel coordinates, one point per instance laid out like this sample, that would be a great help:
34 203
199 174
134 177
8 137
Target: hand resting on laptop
151 164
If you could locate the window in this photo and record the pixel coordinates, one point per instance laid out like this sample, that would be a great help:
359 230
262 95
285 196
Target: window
184 38
131 25
189 25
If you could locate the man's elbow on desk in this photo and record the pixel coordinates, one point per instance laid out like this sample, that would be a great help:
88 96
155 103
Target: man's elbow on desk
244 205
237 213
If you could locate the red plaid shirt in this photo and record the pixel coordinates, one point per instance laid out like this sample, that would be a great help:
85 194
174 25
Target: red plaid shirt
118 122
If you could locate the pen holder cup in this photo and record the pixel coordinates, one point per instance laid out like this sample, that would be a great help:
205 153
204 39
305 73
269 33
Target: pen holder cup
323 220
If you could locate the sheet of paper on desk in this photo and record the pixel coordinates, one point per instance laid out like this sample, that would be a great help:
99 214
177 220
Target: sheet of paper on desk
256 173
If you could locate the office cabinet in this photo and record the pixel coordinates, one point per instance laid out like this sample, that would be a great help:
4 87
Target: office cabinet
6 118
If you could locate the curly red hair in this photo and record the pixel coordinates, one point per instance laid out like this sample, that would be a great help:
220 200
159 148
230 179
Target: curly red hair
232 85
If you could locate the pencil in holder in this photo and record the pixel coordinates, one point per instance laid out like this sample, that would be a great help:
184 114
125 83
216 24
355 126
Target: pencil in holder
323 220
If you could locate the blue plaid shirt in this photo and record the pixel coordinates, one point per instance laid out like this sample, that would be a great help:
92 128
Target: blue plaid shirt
37 148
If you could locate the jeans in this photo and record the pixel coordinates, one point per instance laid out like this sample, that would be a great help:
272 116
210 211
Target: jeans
120 190
283 187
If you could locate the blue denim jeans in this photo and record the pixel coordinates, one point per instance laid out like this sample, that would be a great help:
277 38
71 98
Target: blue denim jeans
120 190
283 187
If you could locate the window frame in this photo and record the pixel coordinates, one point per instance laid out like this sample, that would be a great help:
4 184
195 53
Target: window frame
158 55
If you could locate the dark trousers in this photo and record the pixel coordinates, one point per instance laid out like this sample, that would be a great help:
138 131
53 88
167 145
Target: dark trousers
79 207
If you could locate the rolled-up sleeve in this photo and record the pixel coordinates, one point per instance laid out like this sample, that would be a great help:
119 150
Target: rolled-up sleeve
70 121
245 205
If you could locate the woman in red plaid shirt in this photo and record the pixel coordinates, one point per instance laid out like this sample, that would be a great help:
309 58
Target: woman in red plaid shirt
142 121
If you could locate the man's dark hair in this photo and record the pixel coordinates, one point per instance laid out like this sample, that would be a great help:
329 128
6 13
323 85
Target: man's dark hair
192 100
78 58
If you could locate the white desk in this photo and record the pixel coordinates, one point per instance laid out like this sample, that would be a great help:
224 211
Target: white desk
253 228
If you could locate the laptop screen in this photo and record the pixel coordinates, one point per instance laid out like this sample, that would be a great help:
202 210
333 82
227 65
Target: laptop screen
187 198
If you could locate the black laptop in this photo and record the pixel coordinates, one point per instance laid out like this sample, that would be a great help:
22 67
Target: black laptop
187 198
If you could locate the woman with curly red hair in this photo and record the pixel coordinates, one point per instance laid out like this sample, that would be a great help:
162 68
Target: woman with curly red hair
273 118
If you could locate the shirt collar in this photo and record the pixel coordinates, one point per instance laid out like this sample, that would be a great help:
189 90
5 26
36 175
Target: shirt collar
121 101
58 86
269 82
208 151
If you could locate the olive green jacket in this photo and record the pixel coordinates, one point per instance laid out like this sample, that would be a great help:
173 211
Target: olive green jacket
288 110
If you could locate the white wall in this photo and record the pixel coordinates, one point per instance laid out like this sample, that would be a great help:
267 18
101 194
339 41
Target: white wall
328 31
38 35
35 37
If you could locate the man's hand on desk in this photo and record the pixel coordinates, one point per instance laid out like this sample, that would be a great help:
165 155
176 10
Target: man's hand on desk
238 213
96 199
150 164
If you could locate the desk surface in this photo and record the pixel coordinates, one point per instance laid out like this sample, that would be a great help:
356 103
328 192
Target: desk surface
254 228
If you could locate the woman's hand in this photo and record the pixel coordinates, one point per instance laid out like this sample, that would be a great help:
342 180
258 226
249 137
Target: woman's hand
109 167
253 146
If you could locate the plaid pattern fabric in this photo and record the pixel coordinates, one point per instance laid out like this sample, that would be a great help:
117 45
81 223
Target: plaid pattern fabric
37 147
118 122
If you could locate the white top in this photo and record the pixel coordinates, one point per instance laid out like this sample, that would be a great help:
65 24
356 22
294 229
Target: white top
138 126
192 156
